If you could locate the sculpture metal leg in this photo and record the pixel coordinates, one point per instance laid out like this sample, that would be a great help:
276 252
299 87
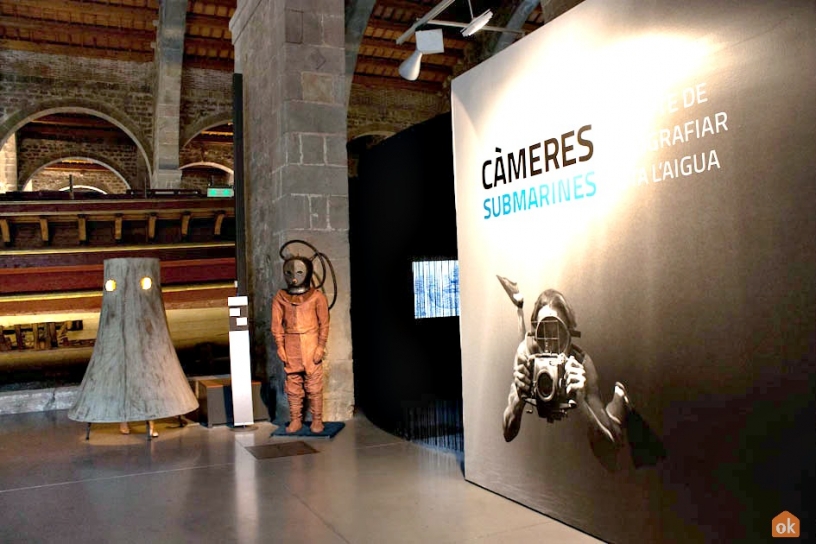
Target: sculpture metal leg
88 432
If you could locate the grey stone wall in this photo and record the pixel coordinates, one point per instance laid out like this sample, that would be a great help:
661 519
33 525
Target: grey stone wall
32 81
35 153
292 57
206 97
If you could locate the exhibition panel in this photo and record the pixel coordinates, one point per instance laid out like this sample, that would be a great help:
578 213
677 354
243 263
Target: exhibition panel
635 196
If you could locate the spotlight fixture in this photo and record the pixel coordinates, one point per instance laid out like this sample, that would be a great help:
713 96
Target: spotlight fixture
409 69
476 23
427 42
436 10
430 41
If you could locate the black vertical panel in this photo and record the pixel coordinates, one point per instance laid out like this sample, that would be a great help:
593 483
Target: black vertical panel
407 371
238 180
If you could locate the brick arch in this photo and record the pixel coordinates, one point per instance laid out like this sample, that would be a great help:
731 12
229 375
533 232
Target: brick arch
25 177
27 114
216 165
88 187
375 129
96 186
194 129
353 145
381 134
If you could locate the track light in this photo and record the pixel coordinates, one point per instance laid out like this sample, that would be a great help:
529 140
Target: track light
476 24
428 42
436 10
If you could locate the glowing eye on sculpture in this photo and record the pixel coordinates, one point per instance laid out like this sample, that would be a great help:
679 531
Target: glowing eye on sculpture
110 285
146 283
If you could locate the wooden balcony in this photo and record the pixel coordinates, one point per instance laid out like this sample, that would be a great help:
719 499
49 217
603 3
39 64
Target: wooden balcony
52 250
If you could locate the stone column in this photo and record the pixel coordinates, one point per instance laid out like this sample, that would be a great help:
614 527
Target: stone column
291 54
8 165
167 109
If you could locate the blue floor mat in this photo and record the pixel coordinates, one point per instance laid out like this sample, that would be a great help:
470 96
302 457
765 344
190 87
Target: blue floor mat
330 429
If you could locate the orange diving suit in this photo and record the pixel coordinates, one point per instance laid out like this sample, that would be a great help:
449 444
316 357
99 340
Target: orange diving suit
300 326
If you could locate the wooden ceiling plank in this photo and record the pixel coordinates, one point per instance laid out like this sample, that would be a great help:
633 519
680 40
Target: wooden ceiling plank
88 8
208 43
74 50
406 5
208 21
50 131
74 29
204 4
388 49
73 120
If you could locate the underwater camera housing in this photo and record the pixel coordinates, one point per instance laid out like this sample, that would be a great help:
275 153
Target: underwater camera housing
550 387
548 370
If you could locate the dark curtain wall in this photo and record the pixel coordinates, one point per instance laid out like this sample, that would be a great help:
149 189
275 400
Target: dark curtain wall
407 371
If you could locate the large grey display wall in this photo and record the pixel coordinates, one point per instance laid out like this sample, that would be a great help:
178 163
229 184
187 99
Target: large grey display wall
655 162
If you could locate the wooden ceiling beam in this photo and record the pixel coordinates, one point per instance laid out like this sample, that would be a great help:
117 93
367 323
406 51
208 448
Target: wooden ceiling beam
209 43
146 37
219 3
438 59
76 50
209 21
144 14
50 132
73 120
407 5
383 24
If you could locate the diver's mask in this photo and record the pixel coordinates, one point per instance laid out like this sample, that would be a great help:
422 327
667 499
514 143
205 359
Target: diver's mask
553 336
297 271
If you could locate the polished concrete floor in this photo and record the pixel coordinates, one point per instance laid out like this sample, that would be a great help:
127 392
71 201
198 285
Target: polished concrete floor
195 484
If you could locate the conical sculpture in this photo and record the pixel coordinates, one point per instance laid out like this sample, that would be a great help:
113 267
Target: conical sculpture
134 373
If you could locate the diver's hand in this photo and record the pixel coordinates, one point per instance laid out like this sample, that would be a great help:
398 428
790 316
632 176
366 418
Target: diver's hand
318 355
521 376
576 376
282 354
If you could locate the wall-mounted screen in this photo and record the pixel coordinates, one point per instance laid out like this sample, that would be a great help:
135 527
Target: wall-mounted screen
436 288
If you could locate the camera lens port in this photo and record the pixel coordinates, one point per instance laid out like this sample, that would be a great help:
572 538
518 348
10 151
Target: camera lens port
545 386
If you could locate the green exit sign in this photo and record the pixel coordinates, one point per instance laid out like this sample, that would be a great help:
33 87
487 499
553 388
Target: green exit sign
220 192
